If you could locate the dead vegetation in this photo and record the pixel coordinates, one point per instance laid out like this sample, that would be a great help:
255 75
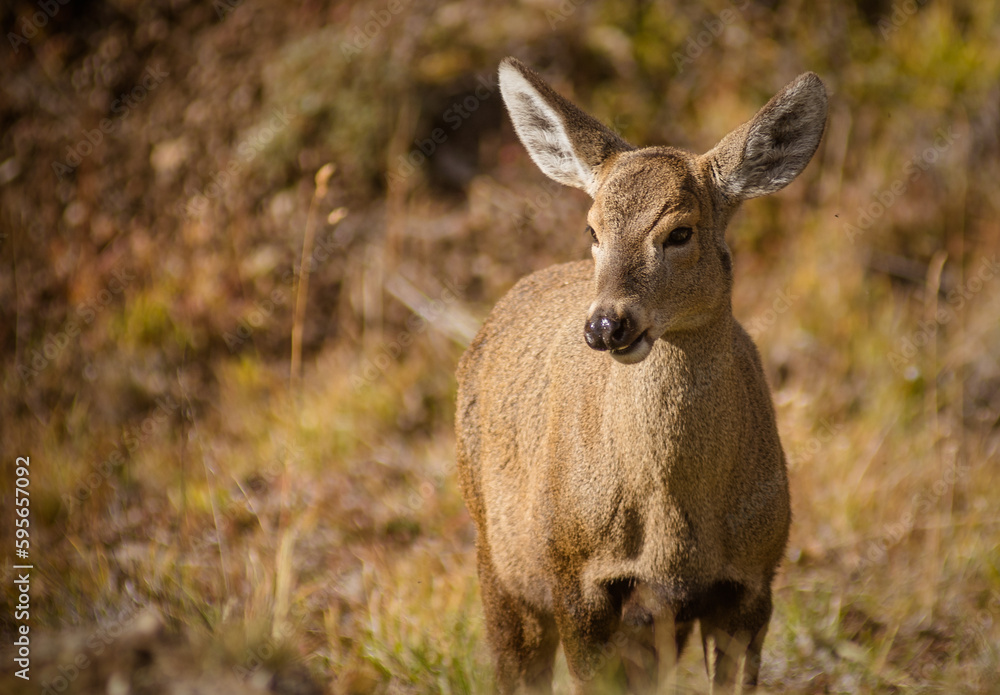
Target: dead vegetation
147 304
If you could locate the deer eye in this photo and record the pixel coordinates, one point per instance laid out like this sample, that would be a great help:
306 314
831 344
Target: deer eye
593 234
678 237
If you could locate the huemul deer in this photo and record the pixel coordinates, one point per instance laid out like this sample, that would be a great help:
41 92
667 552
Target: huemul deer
620 497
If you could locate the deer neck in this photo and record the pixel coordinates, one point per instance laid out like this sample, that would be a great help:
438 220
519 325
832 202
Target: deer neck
682 367
706 343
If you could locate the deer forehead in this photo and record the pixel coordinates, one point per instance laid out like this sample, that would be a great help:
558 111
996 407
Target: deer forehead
644 187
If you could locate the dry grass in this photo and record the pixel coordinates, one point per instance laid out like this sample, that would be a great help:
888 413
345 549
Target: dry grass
273 528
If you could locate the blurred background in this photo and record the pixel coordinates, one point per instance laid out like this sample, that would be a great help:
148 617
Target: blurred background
243 245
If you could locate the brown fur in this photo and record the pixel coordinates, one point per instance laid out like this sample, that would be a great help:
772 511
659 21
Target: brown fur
619 500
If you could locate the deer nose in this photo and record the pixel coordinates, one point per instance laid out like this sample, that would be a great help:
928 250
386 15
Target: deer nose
604 332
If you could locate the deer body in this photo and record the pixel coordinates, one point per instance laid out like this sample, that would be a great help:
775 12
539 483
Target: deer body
619 500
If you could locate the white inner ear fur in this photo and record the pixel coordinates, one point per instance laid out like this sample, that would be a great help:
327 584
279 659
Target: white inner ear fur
543 133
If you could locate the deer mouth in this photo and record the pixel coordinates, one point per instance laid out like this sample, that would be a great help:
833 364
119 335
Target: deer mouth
636 351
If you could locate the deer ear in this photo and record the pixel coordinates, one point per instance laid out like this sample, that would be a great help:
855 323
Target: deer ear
766 153
568 145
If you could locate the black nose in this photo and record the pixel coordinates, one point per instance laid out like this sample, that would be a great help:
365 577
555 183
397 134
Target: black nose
604 332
